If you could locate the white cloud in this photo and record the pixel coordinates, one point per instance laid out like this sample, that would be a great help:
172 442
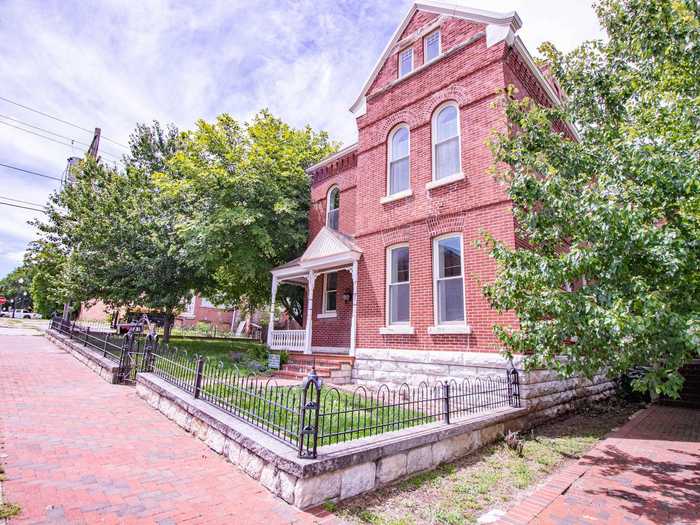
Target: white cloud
112 64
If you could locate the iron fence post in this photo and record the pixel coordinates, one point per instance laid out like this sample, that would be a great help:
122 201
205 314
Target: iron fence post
446 386
104 346
198 377
71 330
87 334
308 432
514 388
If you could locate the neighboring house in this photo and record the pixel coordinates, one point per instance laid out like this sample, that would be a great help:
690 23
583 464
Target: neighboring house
392 274
201 310
198 310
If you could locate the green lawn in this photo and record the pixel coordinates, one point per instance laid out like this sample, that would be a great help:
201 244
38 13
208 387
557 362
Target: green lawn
343 417
220 350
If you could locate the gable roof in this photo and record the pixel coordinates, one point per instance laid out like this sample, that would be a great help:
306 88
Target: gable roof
329 249
329 243
509 20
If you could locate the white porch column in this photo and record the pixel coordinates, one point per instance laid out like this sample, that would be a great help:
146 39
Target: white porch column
271 326
353 324
309 311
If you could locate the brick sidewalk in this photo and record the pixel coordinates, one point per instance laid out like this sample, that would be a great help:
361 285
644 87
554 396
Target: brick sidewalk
647 472
79 450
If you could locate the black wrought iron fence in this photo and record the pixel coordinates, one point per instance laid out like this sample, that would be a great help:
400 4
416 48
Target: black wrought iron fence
105 342
307 415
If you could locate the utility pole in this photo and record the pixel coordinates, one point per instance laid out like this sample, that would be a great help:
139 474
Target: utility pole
69 178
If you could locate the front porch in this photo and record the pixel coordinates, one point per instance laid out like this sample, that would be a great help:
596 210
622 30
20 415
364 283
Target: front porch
328 271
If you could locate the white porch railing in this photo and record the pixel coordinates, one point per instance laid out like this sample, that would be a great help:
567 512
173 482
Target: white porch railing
288 340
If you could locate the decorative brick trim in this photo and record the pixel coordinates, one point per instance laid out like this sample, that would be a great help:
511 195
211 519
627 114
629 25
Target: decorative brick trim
396 235
439 224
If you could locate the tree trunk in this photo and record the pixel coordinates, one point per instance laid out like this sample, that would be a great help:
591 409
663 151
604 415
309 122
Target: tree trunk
167 326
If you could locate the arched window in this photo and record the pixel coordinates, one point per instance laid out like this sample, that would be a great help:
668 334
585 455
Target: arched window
399 160
446 142
333 208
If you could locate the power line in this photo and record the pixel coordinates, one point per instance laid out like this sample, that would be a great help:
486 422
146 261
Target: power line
103 152
54 140
23 207
22 202
31 172
60 120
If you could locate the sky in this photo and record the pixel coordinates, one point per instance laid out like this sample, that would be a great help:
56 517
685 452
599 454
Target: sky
112 64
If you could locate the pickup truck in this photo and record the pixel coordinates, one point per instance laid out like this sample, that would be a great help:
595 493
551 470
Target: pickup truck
20 314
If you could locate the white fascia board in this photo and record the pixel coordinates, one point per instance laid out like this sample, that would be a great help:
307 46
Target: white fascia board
331 261
511 20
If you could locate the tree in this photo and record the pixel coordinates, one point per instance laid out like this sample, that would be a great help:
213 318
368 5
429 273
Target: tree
44 262
122 234
252 199
16 286
611 279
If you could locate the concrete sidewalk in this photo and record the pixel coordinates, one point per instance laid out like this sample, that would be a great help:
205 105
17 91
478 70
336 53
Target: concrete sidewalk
79 450
647 472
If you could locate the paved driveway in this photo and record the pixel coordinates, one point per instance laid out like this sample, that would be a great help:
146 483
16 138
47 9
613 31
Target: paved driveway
647 472
78 450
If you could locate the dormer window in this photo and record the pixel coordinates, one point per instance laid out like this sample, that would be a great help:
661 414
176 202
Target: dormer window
333 208
405 62
431 46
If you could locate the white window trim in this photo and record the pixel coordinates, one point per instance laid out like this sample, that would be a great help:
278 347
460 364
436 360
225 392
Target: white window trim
444 181
401 54
389 324
425 46
389 160
328 204
452 327
397 329
396 196
325 312
433 127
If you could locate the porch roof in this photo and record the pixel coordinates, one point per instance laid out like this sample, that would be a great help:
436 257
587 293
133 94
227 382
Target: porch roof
328 250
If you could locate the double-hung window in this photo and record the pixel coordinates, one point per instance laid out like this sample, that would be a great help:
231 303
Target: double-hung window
405 62
399 161
431 46
333 209
448 280
446 142
330 289
398 286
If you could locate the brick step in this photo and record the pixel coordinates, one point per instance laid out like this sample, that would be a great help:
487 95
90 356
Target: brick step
297 367
318 359
320 370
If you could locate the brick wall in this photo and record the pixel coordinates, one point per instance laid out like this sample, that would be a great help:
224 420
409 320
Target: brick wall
472 76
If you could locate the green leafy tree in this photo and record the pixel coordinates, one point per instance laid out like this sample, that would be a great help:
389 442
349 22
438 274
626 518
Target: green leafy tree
252 200
611 280
15 285
122 233
45 261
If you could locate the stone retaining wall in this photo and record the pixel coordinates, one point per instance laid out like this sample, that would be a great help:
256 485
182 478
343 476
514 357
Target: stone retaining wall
103 367
543 392
341 471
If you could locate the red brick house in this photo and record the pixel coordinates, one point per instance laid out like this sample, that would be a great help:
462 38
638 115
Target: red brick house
392 273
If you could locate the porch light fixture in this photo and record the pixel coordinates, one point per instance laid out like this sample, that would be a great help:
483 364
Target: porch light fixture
347 295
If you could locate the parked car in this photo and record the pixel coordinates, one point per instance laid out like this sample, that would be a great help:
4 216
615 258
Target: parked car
21 314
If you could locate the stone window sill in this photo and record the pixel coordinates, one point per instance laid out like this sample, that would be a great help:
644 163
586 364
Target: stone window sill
397 330
450 329
327 315
442 182
396 196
